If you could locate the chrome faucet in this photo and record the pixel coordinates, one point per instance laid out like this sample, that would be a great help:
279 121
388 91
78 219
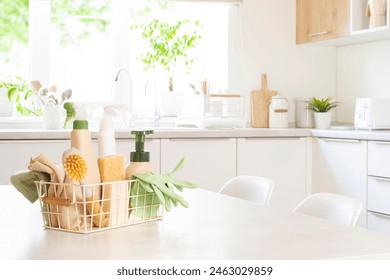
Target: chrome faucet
130 86
156 108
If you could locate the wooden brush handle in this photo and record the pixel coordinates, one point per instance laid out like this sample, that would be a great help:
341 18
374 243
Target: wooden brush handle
94 209
56 201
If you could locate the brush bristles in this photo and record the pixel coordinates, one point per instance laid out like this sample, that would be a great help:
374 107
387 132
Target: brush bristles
75 167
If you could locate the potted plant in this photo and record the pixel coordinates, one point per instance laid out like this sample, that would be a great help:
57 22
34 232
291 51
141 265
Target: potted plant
321 109
19 96
168 44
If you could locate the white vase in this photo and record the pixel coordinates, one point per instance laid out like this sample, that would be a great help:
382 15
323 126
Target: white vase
322 119
168 103
6 107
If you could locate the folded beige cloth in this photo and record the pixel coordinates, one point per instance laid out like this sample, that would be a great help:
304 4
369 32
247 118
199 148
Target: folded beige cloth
44 164
57 175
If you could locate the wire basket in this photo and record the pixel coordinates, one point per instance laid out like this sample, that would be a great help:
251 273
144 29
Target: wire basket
96 207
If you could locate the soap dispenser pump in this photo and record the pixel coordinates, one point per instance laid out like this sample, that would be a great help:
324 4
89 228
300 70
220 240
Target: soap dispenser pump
139 159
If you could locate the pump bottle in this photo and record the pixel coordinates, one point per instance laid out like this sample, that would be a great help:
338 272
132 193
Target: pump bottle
139 159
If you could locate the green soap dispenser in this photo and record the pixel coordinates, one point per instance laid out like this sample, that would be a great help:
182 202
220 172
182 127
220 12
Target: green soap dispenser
143 205
139 159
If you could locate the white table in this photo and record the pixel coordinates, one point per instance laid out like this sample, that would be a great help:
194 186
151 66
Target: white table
213 227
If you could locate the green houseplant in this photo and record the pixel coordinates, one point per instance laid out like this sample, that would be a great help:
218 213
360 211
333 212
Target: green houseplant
168 44
321 109
21 96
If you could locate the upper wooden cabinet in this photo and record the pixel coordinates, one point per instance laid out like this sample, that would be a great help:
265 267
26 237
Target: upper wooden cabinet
319 20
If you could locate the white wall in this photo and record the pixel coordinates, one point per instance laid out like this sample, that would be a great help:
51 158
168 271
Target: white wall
363 70
268 46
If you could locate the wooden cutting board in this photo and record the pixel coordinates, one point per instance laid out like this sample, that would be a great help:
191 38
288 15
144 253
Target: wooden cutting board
260 104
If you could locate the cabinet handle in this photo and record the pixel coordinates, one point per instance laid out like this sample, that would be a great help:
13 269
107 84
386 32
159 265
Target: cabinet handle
318 33
273 138
381 179
199 139
380 214
35 141
382 143
341 140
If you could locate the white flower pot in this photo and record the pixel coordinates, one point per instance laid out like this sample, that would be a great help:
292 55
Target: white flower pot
322 120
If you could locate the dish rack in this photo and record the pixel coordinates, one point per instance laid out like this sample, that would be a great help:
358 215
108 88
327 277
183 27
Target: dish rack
213 110
96 207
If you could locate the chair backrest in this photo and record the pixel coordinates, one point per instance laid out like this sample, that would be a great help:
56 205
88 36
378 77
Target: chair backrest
334 207
252 188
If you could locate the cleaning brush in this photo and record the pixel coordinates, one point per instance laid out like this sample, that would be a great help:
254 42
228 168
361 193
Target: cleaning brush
76 168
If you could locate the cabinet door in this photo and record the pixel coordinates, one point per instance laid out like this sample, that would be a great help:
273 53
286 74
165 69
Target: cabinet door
342 169
16 154
125 146
210 162
321 20
282 159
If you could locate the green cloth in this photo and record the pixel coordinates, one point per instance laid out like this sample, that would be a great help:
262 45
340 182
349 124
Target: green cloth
24 182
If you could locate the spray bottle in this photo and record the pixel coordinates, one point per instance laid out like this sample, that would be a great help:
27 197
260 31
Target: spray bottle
139 159
106 134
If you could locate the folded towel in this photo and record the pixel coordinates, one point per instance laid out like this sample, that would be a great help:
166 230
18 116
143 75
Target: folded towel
57 175
24 180
44 164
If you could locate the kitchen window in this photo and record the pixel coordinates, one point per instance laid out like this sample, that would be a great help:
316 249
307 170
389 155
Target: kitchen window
82 46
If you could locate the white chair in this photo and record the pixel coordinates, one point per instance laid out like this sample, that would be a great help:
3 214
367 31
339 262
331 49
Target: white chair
330 206
252 188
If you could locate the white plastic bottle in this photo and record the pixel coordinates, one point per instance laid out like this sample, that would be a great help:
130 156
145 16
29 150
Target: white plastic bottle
106 134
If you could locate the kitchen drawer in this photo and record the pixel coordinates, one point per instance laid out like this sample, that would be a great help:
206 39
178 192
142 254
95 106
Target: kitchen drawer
379 158
378 222
378 194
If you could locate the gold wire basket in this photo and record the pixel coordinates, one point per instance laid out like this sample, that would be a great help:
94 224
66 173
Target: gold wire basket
96 207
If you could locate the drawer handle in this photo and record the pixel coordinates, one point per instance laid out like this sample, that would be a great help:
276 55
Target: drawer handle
341 140
382 143
199 139
318 33
380 215
381 179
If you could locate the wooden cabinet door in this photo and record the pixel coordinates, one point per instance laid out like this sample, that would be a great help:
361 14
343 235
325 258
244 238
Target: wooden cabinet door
321 20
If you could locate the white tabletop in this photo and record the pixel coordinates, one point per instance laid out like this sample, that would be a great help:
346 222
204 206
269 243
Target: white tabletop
213 227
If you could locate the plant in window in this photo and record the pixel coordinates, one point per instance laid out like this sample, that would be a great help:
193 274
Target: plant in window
169 44
21 96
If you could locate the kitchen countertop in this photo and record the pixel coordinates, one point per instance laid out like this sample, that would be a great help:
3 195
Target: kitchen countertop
214 227
181 132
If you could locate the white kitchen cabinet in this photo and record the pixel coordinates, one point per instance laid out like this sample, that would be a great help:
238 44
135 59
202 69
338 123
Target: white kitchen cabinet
210 161
378 186
282 159
125 146
342 169
16 154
